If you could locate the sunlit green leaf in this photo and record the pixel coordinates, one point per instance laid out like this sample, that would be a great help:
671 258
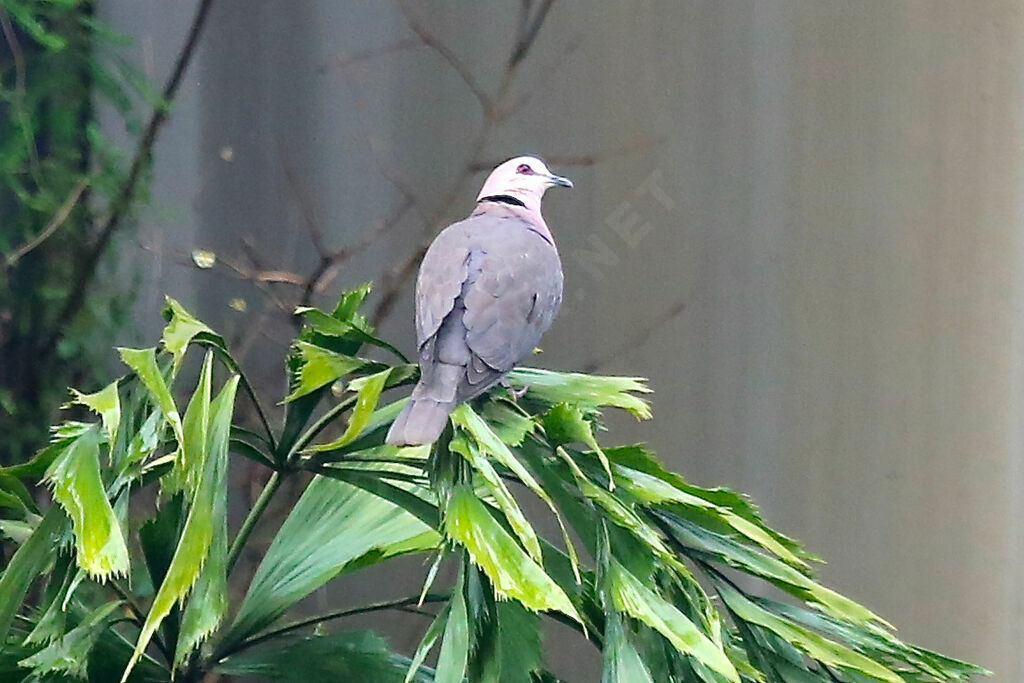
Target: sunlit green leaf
331 326
107 405
191 456
881 645
632 597
747 559
143 362
145 441
319 367
377 422
640 458
75 478
506 503
62 435
181 327
193 547
651 489
368 390
489 441
565 423
511 426
208 602
621 513
16 530
350 302
807 641
513 573
586 391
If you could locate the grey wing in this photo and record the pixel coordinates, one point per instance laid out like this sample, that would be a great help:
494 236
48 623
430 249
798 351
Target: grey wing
512 300
443 272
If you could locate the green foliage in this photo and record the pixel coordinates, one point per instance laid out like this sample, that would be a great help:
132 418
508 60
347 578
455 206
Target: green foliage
653 586
59 71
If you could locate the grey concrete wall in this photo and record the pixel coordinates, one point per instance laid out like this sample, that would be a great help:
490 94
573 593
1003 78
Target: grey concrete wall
844 228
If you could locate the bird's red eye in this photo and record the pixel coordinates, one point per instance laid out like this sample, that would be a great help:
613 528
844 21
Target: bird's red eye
524 169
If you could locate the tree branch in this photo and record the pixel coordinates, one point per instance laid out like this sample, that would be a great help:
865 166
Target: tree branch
122 202
19 90
58 220
637 340
528 33
436 44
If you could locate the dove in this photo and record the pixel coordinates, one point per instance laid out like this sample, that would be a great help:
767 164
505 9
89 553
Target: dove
487 290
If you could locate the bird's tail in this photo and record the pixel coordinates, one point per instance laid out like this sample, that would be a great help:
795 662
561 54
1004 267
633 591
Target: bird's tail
420 422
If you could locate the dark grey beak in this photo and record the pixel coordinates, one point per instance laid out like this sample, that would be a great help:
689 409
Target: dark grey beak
561 181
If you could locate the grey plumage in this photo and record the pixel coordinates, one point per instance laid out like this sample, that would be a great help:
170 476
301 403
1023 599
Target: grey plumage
488 288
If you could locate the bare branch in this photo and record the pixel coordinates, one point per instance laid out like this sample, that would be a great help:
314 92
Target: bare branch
636 341
309 220
525 6
546 75
19 90
122 202
323 276
436 44
342 60
16 52
58 220
526 37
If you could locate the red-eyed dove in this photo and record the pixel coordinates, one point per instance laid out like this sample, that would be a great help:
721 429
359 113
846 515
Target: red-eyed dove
488 288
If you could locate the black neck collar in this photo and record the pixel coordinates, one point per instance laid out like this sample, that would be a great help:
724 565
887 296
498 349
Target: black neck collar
503 199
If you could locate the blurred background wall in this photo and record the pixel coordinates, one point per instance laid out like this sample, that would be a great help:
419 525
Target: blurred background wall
801 219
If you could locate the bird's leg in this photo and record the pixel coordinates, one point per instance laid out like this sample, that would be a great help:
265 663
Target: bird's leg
515 393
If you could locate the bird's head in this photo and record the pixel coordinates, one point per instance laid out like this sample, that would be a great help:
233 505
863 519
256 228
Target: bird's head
523 178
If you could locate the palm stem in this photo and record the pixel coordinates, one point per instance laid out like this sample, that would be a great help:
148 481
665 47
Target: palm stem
318 427
269 489
404 604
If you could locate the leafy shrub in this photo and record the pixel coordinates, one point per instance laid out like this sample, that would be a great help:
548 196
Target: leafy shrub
92 593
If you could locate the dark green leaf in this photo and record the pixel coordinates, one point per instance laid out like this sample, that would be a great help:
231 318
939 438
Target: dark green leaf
29 562
299 561
320 658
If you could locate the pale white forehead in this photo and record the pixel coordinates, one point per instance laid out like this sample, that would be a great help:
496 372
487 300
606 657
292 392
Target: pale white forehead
509 167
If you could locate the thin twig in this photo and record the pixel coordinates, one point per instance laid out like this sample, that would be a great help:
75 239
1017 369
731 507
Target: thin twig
529 33
247 386
401 604
55 223
19 90
547 73
637 340
436 44
394 282
122 203
310 221
344 61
